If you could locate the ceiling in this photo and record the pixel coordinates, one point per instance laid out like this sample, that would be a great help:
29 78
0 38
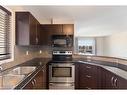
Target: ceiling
88 20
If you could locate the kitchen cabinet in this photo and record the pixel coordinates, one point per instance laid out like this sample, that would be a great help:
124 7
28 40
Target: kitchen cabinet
109 80
68 29
27 29
39 80
88 76
47 30
76 76
121 83
113 81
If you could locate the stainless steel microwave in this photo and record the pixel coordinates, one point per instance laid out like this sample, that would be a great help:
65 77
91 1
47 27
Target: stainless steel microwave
62 41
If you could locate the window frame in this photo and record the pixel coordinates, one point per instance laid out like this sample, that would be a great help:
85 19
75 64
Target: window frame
12 28
76 45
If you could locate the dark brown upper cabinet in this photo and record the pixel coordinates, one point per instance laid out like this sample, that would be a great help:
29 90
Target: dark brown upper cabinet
68 29
47 30
27 29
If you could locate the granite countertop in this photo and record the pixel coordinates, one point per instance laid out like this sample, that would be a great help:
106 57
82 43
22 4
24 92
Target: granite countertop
40 62
23 79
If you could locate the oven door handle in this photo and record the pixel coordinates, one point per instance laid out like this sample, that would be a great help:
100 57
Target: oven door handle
61 65
61 84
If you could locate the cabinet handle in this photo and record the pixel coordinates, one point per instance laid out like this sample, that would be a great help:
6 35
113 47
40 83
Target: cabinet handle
115 82
36 40
51 84
88 67
88 76
32 83
35 81
112 81
87 88
43 70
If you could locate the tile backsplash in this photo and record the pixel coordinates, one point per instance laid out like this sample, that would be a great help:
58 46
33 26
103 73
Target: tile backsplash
20 55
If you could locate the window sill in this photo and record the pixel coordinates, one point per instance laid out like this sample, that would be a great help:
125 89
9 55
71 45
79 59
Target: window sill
6 61
85 54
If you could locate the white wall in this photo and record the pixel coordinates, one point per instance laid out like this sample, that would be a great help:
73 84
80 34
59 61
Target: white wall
99 46
116 45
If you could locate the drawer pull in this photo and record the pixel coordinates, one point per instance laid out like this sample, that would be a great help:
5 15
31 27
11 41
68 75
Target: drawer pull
88 67
115 83
88 76
33 83
112 81
87 88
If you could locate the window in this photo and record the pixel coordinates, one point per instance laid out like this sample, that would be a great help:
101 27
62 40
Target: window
85 45
5 51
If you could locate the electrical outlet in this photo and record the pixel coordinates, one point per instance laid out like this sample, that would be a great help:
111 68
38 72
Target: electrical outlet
40 51
27 52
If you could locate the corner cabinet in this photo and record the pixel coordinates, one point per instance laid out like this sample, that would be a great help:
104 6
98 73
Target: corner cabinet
112 81
27 29
88 76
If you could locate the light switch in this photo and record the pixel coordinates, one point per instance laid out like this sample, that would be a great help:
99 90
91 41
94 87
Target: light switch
40 51
27 52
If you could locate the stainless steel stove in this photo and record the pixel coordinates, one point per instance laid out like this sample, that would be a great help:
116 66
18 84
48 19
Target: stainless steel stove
62 71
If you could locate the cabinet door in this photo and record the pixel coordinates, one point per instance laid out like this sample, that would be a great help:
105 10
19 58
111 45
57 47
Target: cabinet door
33 30
77 76
110 80
22 28
38 80
68 29
121 83
45 34
45 85
88 77
38 36
57 29
26 29
103 78
29 85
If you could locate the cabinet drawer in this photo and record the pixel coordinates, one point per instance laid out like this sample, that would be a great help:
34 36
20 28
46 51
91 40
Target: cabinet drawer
88 83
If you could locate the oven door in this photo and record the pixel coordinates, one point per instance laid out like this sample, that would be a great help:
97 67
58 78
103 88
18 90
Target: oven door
61 72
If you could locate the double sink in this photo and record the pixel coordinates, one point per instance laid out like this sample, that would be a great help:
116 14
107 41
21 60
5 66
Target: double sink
11 78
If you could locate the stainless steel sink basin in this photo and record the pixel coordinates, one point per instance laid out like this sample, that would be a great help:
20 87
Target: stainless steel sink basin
24 70
10 81
11 78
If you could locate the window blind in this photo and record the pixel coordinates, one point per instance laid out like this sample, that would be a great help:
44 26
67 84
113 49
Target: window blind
5 51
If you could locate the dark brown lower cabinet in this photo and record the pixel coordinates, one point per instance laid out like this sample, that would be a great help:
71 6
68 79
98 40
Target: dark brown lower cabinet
121 82
109 80
112 81
89 76
38 81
